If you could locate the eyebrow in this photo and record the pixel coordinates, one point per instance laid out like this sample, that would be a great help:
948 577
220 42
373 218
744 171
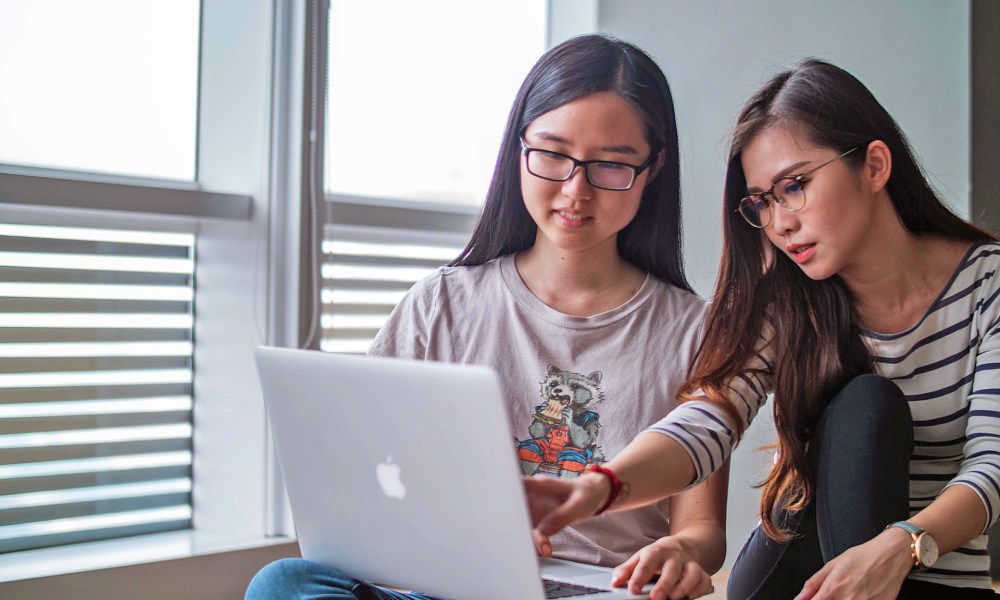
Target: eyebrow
789 170
619 149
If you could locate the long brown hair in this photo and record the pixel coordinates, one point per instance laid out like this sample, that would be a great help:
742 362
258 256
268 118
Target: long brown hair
811 327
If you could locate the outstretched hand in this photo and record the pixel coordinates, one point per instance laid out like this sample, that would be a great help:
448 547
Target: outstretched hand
680 575
555 503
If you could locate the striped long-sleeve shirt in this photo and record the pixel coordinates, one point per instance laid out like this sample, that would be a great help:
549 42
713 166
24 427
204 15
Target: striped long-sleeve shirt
948 366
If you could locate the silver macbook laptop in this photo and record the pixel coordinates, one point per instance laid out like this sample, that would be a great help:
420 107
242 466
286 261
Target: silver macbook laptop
404 473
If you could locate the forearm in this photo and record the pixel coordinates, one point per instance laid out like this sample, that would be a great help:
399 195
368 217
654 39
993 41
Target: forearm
652 467
954 518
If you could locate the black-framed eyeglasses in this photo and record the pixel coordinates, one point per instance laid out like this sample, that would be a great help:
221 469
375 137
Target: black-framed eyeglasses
789 192
603 174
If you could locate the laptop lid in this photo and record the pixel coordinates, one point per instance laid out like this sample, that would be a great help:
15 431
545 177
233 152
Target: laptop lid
404 473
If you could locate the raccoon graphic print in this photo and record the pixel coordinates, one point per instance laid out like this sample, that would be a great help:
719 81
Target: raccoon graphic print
564 428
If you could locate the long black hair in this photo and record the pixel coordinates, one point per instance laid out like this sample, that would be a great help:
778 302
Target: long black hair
574 69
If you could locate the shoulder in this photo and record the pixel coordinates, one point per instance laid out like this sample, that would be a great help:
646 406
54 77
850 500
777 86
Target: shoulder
977 273
451 286
450 280
681 302
982 256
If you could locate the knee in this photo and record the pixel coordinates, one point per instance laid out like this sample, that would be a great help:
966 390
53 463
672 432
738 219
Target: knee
284 578
869 405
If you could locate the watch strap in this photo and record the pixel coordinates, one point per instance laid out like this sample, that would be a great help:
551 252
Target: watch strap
908 527
915 533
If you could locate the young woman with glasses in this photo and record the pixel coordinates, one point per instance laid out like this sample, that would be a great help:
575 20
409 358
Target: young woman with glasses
871 313
572 287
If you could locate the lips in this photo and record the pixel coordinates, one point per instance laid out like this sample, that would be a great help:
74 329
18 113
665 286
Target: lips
571 220
800 253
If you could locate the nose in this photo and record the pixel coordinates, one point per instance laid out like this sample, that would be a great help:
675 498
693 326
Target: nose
782 221
577 185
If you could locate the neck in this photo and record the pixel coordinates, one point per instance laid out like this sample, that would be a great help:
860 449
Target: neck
581 283
898 275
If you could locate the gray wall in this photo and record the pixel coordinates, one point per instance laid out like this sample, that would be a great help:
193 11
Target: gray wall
912 54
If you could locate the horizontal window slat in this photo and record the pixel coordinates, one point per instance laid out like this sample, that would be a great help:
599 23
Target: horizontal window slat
96 522
96 465
362 297
39 320
97 349
96 291
96 235
400 251
96 493
95 378
91 262
351 346
106 435
374 273
341 321
29 410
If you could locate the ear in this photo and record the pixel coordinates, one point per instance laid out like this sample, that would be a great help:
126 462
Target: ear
878 165
654 169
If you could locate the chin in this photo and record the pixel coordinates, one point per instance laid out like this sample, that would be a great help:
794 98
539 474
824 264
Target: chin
816 273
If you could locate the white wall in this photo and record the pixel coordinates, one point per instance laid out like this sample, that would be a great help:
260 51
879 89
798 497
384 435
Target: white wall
912 54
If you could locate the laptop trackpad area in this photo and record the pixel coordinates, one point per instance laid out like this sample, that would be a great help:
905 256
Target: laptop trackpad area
579 573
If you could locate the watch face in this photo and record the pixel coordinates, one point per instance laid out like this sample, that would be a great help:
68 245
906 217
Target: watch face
927 550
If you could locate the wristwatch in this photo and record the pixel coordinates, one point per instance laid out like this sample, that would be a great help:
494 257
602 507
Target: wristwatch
924 549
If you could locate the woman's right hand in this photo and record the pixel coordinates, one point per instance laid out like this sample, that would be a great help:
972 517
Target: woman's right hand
680 574
555 503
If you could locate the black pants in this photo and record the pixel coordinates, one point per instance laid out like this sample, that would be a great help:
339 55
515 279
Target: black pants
861 454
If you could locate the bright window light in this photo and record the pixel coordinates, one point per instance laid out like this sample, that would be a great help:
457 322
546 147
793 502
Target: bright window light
123 377
36 410
111 86
374 297
436 95
96 320
375 273
89 262
441 253
95 291
106 435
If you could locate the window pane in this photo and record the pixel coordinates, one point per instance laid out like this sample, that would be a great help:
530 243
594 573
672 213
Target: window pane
104 85
419 93
96 333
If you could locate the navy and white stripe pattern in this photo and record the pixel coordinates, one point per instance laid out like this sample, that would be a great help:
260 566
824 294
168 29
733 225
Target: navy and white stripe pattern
948 366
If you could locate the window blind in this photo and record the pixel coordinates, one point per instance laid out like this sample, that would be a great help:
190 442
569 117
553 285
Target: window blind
366 271
96 333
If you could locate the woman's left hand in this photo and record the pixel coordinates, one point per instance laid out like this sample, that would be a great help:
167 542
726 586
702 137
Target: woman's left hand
680 575
874 570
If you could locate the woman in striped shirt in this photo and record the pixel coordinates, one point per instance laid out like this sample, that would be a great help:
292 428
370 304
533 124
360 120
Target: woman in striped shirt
869 311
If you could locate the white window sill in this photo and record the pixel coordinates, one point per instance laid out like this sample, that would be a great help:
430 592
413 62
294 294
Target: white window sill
77 558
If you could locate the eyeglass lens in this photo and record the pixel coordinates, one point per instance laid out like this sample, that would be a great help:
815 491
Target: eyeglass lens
607 175
789 193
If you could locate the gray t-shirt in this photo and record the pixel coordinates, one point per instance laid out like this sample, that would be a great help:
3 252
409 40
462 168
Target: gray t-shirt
578 389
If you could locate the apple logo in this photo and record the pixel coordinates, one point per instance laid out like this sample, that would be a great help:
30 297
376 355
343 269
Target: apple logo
388 475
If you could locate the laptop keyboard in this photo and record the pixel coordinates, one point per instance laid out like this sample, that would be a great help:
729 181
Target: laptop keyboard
561 589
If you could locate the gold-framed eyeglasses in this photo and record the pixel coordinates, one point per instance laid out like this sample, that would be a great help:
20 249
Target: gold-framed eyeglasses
789 192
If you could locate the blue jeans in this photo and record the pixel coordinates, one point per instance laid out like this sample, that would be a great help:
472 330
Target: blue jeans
297 578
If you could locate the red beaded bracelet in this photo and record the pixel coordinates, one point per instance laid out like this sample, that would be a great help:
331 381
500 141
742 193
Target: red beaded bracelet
616 484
